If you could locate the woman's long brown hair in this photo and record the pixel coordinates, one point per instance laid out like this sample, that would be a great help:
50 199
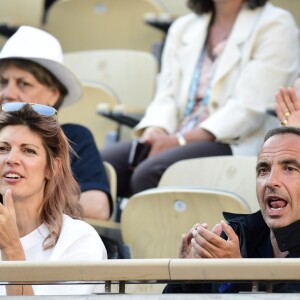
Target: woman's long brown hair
61 194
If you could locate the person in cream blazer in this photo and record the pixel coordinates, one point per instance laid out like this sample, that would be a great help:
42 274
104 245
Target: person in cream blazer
261 53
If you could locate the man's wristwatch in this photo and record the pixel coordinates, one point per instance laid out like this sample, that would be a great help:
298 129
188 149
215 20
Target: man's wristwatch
180 139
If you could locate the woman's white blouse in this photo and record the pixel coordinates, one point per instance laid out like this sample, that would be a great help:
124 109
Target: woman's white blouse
78 241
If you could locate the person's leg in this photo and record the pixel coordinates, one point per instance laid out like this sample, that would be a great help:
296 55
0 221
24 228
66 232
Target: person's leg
148 173
117 155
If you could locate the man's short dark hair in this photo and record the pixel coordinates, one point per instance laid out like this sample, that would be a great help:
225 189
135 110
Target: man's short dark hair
205 6
281 131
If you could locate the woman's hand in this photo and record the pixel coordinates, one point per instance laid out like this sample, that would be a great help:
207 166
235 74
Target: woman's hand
10 243
159 140
152 133
162 143
288 107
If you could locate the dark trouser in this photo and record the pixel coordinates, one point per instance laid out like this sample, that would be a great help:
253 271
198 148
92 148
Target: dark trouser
148 173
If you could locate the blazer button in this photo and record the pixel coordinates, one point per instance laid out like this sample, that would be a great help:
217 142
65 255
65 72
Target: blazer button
214 104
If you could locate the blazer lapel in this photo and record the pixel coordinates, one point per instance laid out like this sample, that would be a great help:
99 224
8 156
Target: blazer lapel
190 46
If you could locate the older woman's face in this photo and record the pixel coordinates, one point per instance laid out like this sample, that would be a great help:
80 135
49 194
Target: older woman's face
19 85
23 164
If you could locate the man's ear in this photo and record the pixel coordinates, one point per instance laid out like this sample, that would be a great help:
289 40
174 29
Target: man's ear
56 166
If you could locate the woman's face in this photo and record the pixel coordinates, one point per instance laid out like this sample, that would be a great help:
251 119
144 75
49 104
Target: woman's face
18 85
23 163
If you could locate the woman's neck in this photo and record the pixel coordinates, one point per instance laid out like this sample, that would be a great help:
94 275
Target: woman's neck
222 22
226 13
27 218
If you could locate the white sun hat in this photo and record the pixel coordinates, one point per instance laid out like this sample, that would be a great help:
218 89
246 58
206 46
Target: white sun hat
34 44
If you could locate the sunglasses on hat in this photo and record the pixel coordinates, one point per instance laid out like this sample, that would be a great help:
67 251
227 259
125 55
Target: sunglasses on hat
41 109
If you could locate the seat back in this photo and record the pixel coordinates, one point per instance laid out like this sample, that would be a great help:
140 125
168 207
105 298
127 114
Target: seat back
230 173
174 8
153 221
84 113
20 12
3 40
110 230
112 180
291 5
105 24
130 74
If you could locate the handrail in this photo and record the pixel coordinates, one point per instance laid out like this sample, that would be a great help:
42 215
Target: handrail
151 270
267 269
112 270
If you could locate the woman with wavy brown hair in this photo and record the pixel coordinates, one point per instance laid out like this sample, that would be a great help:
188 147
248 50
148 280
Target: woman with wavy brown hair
39 214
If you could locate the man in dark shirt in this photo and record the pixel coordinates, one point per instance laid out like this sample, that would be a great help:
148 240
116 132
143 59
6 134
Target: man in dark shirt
273 231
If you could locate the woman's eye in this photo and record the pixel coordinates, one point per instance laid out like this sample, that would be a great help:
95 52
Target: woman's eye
30 151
